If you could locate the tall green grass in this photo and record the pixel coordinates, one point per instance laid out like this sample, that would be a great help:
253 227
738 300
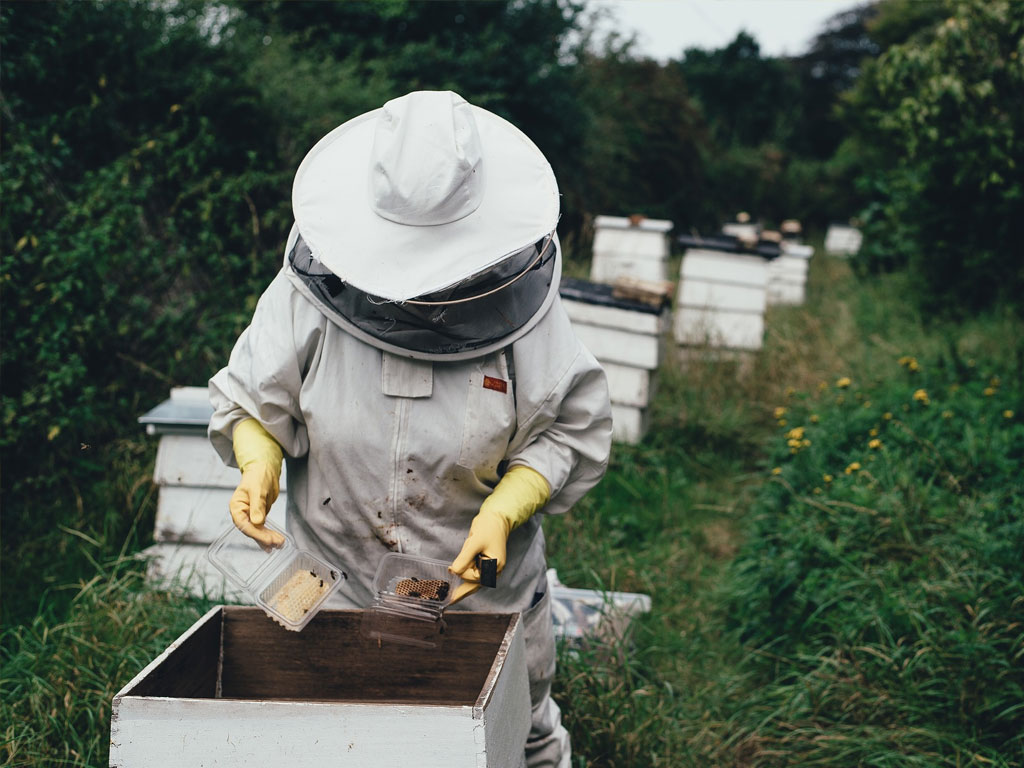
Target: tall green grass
59 676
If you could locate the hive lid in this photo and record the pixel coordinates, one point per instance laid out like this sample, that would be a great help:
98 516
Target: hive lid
288 583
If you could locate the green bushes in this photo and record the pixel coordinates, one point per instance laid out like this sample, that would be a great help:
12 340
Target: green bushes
881 583
941 128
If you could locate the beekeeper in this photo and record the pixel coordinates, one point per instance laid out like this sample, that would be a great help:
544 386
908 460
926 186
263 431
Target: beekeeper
414 365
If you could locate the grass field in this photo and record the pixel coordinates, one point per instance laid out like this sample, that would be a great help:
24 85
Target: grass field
831 537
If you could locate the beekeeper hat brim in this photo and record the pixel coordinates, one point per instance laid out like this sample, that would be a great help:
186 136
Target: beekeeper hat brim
421 194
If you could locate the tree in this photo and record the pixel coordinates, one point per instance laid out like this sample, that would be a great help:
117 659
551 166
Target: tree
941 124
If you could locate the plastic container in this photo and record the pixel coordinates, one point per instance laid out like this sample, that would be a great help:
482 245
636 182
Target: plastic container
411 594
288 583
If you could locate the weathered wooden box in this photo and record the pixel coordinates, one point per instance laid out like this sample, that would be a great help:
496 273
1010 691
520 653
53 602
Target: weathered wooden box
238 690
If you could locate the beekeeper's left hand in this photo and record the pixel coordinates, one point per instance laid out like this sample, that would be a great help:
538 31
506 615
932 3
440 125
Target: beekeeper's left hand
514 500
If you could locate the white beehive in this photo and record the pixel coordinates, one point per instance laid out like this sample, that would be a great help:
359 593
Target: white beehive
787 274
721 300
237 690
194 489
747 231
627 338
629 247
842 240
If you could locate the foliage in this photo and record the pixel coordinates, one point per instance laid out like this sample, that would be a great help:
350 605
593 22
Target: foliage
135 168
59 677
941 128
882 573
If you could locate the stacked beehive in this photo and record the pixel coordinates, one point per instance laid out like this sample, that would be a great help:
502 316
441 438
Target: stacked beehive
626 337
721 300
787 274
194 489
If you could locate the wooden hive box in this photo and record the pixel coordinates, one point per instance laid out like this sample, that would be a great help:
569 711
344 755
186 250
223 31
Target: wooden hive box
238 690
627 247
626 337
721 300
194 489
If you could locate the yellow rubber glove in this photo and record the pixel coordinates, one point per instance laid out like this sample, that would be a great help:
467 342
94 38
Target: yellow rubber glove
520 493
259 457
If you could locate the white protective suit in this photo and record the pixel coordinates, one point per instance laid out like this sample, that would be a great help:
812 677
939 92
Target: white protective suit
387 453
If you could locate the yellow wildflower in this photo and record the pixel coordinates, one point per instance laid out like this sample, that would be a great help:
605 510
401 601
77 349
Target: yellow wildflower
854 467
814 418
921 396
796 433
994 381
817 491
782 422
989 391
793 443
780 412
875 444
867 403
905 360
912 365
1007 414
805 442
887 416
827 478
844 382
947 415
873 431
777 471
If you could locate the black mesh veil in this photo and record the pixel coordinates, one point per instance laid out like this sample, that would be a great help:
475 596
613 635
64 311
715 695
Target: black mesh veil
454 325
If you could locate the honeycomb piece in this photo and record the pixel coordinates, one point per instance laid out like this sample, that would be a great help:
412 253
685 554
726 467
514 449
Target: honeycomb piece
427 589
298 595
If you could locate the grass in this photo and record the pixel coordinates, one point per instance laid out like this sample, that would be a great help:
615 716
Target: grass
876 619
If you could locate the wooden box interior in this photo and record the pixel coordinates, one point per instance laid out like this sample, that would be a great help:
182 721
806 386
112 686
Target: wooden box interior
239 653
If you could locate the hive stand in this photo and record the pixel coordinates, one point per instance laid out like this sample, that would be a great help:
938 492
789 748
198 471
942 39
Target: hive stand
721 301
626 338
842 240
633 247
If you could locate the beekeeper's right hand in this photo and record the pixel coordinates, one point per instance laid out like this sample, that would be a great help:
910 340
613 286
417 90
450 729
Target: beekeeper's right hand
259 457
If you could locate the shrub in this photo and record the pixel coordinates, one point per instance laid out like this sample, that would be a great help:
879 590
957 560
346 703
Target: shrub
882 574
942 128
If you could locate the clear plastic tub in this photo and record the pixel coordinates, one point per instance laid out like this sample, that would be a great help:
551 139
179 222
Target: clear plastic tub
411 594
288 583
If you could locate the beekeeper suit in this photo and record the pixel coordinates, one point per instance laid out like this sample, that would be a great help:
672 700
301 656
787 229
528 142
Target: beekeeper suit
414 365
